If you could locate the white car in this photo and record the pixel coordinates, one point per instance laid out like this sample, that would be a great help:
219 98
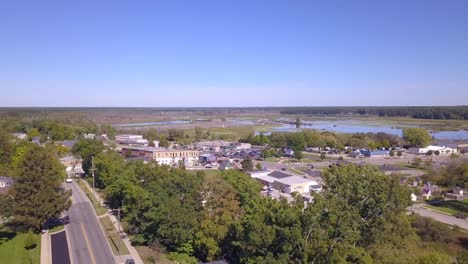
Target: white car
69 180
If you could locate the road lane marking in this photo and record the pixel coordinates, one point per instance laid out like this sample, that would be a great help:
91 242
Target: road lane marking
88 244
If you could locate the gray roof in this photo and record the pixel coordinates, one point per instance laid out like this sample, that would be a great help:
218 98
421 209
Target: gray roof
7 180
225 164
278 174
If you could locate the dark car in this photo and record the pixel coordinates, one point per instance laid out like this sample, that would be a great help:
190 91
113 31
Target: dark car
460 215
283 169
129 261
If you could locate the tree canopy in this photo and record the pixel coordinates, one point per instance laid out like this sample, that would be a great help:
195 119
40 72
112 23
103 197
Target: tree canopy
37 195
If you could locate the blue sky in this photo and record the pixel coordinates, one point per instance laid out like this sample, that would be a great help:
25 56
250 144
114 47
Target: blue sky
233 53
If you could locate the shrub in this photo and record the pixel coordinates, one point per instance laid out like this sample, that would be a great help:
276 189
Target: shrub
30 241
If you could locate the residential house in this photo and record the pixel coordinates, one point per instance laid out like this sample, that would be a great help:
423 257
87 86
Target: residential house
207 158
20 136
443 150
36 140
457 194
5 184
226 165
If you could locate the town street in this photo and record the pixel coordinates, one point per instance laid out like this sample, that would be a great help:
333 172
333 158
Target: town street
88 243
440 217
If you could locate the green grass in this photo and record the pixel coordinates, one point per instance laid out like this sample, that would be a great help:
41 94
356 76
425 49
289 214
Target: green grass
450 206
116 243
56 229
272 159
12 249
296 171
96 205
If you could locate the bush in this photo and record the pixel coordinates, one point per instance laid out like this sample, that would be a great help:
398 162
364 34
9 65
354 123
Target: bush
429 153
30 241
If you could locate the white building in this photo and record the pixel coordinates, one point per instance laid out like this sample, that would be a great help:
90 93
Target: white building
443 150
133 140
20 136
294 184
163 155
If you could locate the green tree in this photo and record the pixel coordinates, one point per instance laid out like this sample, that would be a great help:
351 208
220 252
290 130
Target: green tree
416 137
298 122
298 155
37 195
259 166
323 155
30 241
86 149
221 209
392 153
399 153
247 164
33 132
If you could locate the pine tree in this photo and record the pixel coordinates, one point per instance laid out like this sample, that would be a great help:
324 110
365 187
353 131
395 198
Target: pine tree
37 195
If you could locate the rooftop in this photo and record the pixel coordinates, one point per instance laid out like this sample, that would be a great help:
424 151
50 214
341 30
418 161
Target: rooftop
279 174
296 180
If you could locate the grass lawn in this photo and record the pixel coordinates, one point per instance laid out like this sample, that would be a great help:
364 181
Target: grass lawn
272 159
149 256
117 244
97 206
12 249
296 171
450 206
56 228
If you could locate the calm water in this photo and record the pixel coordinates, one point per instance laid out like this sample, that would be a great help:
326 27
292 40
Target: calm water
176 122
353 126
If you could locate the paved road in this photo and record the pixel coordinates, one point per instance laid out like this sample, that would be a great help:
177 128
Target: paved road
87 241
60 248
440 217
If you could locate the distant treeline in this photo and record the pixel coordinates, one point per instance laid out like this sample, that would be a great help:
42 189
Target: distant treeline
424 112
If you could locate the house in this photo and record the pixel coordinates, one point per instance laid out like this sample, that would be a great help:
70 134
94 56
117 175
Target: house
457 194
36 140
68 143
375 153
241 145
226 165
463 148
288 152
442 150
207 158
73 166
89 136
20 136
5 184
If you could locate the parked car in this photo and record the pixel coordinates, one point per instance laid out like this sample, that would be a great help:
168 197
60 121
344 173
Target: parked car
129 261
69 180
460 215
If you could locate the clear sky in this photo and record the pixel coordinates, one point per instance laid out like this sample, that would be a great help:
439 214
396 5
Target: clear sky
233 53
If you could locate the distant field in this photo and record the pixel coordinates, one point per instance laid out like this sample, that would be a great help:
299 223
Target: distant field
12 249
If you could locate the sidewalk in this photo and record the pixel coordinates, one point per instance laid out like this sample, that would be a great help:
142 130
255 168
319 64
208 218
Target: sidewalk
46 253
136 257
